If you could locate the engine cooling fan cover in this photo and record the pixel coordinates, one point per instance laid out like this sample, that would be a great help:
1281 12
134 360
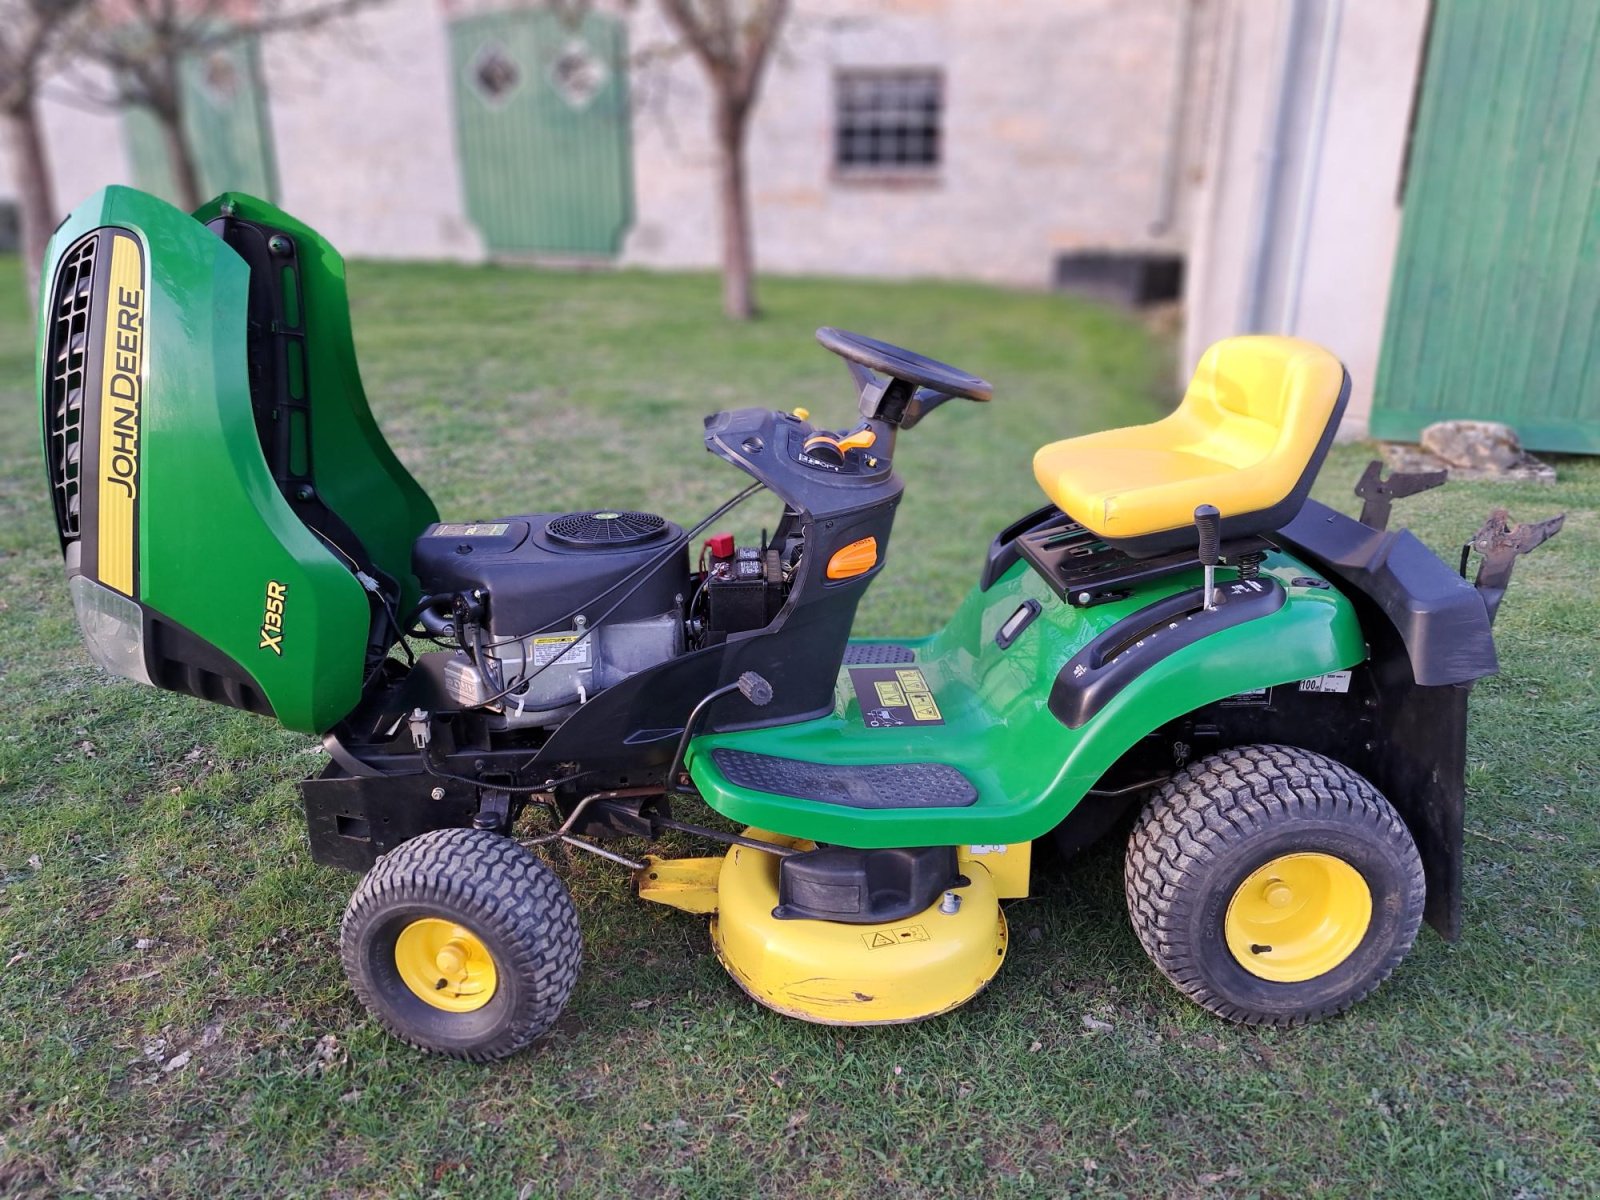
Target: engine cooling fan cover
606 527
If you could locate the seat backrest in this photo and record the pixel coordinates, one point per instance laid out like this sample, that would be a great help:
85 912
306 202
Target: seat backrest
1263 395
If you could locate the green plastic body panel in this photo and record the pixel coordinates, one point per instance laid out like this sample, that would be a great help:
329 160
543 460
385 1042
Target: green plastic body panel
215 538
364 482
1029 769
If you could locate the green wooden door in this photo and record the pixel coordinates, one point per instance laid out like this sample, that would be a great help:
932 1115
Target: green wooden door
1495 307
225 121
542 126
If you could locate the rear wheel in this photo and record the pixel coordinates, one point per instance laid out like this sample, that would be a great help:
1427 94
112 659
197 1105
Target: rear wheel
1273 885
463 942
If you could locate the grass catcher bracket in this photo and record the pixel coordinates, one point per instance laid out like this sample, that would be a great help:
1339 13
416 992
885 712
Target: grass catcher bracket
1379 494
1501 545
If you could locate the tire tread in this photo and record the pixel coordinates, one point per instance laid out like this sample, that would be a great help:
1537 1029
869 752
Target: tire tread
497 882
1227 799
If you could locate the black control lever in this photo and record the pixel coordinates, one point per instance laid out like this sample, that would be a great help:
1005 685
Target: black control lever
1208 525
751 686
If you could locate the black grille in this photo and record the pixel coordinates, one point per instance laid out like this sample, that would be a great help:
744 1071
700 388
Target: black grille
66 361
607 527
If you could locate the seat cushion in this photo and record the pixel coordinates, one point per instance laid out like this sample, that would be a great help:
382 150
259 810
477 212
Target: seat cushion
1254 421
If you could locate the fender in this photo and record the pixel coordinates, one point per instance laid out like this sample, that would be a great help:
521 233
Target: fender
997 725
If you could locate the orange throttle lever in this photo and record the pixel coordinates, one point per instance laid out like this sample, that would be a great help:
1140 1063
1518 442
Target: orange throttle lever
831 448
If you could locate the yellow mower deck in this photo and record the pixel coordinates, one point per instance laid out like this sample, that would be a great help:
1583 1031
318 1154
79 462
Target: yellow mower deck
838 974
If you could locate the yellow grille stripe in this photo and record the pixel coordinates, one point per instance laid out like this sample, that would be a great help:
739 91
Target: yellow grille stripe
121 392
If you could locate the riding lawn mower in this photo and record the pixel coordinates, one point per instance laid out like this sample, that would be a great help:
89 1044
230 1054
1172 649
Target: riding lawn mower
1274 692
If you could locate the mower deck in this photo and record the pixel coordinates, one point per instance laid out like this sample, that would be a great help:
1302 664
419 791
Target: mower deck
831 973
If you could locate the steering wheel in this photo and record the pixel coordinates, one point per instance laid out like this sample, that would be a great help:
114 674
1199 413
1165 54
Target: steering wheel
904 365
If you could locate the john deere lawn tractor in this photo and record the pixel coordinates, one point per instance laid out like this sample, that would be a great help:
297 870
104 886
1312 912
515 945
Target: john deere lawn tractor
1277 691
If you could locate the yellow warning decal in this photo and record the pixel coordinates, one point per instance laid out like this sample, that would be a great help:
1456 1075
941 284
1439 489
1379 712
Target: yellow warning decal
122 373
880 938
919 697
891 694
894 696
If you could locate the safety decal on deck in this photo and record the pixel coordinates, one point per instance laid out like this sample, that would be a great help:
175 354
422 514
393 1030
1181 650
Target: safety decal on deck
1333 681
894 696
879 938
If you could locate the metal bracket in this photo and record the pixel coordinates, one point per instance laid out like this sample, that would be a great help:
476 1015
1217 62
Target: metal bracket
494 810
1500 544
1379 493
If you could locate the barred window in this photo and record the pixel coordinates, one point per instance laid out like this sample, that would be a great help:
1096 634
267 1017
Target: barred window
888 121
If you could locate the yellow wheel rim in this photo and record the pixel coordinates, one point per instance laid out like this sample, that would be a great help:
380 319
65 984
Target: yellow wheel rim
1298 917
445 964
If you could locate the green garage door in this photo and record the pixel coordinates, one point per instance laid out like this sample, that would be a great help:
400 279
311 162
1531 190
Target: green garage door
225 121
542 125
1495 309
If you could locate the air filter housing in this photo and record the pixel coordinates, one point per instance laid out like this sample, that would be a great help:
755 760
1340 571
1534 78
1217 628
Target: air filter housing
606 527
540 569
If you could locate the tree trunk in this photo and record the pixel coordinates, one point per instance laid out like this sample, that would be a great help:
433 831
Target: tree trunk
36 206
180 158
738 265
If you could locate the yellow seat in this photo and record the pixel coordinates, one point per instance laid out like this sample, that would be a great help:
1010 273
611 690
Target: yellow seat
1248 438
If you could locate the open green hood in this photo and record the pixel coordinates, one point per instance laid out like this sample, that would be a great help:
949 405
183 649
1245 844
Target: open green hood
234 525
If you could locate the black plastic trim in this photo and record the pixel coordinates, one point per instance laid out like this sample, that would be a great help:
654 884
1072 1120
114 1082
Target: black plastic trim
1440 617
1005 550
351 821
181 661
1008 633
873 654
877 786
864 887
1110 662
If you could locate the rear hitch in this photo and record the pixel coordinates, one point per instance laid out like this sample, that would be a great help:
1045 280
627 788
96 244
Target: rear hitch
1500 544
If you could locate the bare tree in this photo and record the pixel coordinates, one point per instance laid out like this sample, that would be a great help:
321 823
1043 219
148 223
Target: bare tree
30 31
732 40
143 44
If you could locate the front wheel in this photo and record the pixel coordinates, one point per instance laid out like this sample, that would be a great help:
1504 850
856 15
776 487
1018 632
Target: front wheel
1272 885
462 942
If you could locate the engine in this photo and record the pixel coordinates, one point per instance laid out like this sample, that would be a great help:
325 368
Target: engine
551 608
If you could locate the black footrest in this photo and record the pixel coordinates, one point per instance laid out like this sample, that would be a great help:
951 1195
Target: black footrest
879 786
877 654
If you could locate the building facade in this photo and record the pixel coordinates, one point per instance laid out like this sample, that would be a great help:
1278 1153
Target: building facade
955 138
1389 179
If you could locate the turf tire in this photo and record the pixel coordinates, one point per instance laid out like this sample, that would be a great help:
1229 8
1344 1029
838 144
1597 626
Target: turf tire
1220 819
505 895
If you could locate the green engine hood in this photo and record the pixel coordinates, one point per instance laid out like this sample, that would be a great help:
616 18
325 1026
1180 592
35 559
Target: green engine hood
193 564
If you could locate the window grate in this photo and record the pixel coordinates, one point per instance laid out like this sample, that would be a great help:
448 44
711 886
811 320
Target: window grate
67 354
888 121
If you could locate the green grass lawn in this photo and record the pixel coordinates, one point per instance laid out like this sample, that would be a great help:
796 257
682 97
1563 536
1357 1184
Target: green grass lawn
174 1021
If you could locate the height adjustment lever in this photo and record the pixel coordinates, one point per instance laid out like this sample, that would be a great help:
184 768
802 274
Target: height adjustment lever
1208 525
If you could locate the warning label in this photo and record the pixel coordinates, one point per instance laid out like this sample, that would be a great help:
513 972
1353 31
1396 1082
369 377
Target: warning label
880 938
894 696
486 529
1333 681
542 650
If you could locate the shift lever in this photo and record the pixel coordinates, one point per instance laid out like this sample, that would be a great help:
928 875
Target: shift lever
1208 524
